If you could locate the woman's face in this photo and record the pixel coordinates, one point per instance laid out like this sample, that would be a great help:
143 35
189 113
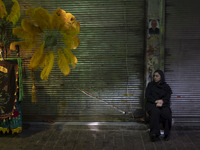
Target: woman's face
156 77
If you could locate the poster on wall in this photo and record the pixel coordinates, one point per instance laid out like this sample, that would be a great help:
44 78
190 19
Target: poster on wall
153 48
154 27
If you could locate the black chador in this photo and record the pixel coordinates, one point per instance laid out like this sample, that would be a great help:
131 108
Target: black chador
159 91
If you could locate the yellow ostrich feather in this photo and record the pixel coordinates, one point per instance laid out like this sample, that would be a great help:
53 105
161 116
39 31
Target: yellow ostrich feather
35 60
70 56
63 62
12 45
59 24
48 65
3 11
15 13
55 19
40 16
42 61
71 42
30 40
24 46
30 27
19 31
69 23
30 12
60 18
72 29
68 17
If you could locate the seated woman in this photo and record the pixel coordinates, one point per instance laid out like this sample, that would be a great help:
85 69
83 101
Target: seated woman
158 94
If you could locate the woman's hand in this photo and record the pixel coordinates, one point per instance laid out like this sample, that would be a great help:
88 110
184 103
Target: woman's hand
159 103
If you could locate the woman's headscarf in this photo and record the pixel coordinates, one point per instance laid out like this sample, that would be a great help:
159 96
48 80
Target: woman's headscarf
160 72
162 82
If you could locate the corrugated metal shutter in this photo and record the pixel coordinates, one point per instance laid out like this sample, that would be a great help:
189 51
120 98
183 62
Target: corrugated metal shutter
110 63
182 58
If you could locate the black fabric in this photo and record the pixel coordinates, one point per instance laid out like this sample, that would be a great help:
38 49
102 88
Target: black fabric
156 91
7 88
158 116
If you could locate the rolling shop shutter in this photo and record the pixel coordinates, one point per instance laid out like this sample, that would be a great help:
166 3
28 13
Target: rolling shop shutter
110 63
182 58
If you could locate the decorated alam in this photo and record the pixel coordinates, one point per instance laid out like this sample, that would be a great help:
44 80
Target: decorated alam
39 35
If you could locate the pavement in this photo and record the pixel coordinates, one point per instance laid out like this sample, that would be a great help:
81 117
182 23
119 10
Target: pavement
97 136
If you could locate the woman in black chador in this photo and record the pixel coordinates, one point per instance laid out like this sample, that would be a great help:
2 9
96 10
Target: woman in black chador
158 94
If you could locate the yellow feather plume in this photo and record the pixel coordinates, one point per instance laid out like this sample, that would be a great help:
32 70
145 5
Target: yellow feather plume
48 65
75 28
12 46
24 46
30 12
30 27
15 13
63 62
20 32
35 60
32 30
72 42
55 19
70 56
42 61
67 17
3 11
30 40
60 18
72 29
40 16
